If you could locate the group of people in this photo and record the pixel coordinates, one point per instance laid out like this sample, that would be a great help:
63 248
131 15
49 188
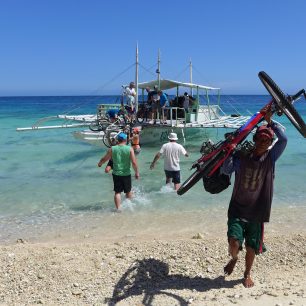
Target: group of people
120 157
251 200
156 103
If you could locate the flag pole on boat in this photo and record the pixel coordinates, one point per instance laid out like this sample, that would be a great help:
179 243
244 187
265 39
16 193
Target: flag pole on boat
158 69
190 71
136 78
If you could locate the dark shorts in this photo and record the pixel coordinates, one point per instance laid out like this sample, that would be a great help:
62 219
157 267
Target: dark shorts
175 175
251 232
110 163
122 183
129 110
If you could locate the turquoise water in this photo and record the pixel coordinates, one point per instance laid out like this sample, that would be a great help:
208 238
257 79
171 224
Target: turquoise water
48 178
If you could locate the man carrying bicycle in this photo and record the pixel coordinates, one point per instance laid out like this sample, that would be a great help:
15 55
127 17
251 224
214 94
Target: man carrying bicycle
250 205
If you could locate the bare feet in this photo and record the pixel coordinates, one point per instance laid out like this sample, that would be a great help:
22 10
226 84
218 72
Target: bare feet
247 281
228 269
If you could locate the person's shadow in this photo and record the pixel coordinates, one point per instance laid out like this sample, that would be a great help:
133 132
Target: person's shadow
151 276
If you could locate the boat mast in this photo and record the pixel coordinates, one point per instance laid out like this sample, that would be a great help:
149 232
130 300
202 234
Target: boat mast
136 78
158 69
190 70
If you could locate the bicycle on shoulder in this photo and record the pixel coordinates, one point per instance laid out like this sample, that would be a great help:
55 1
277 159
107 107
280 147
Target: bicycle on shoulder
214 155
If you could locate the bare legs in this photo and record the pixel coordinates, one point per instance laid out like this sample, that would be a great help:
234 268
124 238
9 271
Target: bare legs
249 259
117 198
176 185
233 249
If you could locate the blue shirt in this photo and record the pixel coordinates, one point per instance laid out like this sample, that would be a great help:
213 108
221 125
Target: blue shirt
163 100
112 113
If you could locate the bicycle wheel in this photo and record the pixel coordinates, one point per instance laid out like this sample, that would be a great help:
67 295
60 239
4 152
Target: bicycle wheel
191 181
98 125
94 126
283 103
106 140
140 116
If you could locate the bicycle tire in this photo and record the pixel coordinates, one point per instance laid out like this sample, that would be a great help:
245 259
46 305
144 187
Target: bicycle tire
139 116
98 126
106 140
95 127
190 182
283 103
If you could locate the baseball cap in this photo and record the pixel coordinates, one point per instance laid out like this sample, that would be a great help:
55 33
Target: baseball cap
122 136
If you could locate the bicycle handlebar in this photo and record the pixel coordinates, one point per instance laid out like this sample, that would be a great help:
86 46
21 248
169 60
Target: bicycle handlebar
297 95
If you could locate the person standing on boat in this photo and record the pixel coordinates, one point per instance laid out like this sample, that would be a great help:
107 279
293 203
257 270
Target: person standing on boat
163 103
186 102
130 94
123 156
171 152
251 200
154 97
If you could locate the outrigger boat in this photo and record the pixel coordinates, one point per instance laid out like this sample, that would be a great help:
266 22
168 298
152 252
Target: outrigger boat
186 124
201 115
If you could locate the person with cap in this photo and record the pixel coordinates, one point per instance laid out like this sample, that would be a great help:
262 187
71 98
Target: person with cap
251 200
123 156
171 152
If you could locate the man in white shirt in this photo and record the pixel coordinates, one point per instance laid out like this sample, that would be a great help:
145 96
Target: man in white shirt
130 93
171 152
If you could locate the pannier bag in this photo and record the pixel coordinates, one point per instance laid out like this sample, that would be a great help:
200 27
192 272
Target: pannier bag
217 182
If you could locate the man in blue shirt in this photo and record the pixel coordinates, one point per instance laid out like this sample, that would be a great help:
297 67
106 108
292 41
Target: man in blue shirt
112 114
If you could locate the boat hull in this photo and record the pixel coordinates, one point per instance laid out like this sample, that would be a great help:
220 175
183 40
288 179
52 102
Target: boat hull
149 135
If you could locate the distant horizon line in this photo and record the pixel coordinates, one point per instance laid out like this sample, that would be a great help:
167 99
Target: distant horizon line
112 95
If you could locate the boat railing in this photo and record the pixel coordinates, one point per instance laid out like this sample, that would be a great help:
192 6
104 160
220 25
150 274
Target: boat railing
174 111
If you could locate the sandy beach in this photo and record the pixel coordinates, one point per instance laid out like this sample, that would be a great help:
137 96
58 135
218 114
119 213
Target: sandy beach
137 270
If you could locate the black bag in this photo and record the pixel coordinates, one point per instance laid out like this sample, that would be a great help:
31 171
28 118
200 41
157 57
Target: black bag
217 182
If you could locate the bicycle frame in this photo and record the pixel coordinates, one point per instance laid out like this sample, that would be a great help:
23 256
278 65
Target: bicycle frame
226 147
212 159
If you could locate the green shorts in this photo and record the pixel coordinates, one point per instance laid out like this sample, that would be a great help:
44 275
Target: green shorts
251 232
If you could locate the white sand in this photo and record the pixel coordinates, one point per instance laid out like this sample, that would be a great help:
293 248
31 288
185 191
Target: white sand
150 271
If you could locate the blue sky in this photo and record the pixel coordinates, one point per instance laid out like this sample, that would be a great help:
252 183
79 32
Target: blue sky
76 47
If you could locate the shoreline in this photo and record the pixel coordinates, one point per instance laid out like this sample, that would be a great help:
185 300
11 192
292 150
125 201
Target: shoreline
151 272
97 227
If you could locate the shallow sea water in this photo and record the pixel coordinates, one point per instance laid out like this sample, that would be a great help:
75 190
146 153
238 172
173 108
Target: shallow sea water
50 182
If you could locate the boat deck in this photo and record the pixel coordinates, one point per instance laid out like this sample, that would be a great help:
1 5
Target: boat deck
221 122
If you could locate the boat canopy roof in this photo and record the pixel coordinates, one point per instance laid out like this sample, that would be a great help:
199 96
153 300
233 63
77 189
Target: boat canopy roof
169 84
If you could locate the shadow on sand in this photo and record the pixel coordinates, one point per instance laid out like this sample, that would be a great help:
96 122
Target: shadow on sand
151 277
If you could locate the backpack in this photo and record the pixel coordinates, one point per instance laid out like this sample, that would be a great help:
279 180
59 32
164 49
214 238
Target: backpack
217 182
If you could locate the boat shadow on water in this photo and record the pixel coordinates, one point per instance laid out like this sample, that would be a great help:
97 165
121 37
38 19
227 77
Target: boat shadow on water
150 277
